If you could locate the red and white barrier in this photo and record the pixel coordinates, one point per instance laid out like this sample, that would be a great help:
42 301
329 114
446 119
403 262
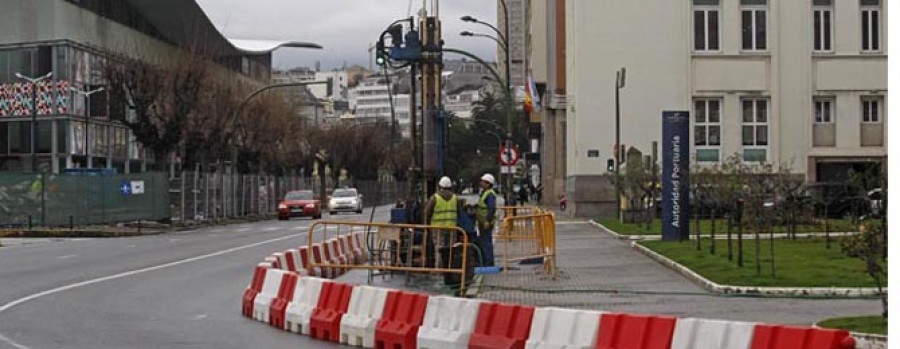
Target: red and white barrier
300 308
563 328
376 317
366 307
271 286
449 323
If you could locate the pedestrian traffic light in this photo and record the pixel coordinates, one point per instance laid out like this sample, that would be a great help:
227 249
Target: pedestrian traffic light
610 165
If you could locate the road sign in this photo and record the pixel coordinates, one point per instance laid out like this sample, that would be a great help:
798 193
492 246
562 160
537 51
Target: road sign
137 187
125 188
508 155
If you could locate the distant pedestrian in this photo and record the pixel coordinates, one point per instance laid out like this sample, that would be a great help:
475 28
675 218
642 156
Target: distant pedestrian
523 195
562 202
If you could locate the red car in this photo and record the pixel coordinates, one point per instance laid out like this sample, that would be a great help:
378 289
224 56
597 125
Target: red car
300 203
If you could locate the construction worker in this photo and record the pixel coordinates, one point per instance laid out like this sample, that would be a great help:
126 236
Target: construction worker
443 210
485 215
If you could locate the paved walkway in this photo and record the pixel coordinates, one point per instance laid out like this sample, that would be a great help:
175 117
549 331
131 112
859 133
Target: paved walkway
601 272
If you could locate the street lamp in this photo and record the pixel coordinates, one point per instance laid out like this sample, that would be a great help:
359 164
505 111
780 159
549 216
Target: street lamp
499 42
618 152
505 37
34 82
87 120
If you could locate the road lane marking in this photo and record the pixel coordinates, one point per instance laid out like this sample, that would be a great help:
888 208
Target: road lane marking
68 256
241 230
271 228
174 240
300 228
32 297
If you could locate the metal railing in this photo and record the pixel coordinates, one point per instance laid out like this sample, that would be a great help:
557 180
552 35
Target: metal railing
409 248
528 234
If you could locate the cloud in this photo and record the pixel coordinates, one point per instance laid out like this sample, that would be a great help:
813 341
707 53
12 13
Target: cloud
346 28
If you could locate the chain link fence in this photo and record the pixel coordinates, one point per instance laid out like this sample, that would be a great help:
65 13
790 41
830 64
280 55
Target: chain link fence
197 196
45 199
51 200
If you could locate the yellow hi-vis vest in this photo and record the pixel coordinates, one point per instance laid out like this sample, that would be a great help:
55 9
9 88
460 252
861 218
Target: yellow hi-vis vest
444 214
481 210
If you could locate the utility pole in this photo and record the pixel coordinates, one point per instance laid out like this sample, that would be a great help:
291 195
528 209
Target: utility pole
431 64
620 83
34 101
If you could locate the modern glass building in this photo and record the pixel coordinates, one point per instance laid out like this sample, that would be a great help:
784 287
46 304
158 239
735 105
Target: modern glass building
73 39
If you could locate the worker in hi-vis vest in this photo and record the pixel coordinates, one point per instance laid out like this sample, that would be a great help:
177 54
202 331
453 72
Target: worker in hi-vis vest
442 210
485 214
444 207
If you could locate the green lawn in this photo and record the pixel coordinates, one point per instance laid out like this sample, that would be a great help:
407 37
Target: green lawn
801 263
834 225
862 324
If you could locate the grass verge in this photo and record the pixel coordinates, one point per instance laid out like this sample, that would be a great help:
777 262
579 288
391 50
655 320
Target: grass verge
834 225
861 324
801 263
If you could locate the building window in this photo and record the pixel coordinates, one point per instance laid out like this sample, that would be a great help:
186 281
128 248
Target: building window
706 25
824 111
755 129
753 25
707 129
870 9
871 110
822 10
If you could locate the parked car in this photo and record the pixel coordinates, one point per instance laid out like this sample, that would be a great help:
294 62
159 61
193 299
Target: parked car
300 203
837 200
345 200
876 202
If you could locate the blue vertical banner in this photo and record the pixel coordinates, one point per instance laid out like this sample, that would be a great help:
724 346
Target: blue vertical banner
675 175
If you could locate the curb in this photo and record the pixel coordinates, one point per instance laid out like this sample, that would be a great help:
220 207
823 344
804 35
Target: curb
719 236
76 233
866 340
774 291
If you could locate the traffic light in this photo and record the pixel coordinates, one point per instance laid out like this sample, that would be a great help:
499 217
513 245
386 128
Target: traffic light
380 58
610 165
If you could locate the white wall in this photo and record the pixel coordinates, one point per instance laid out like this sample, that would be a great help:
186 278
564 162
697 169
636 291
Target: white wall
604 36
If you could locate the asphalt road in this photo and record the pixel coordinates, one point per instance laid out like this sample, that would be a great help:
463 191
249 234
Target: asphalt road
178 290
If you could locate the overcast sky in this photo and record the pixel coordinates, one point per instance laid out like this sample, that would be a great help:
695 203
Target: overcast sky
346 28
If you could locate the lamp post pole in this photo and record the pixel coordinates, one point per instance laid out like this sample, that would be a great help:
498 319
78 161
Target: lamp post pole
234 115
87 121
34 86
618 151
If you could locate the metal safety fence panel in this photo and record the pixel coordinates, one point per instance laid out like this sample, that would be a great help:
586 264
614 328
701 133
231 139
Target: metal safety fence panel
407 248
511 211
529 237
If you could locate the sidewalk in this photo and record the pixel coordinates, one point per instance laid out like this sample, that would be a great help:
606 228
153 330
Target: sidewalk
600 272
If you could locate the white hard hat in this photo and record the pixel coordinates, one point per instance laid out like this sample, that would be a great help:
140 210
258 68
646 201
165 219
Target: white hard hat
487 177
445 182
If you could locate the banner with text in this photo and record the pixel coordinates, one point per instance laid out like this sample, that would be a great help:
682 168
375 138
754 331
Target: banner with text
675 175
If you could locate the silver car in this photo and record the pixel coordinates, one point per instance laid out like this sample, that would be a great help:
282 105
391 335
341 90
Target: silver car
345 200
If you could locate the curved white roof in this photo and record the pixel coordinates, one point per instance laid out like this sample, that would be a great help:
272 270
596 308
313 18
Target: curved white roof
265 46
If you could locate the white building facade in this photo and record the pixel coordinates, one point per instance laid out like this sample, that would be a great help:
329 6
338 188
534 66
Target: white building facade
801 83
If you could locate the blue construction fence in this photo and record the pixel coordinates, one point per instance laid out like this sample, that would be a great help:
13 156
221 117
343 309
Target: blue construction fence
82 198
